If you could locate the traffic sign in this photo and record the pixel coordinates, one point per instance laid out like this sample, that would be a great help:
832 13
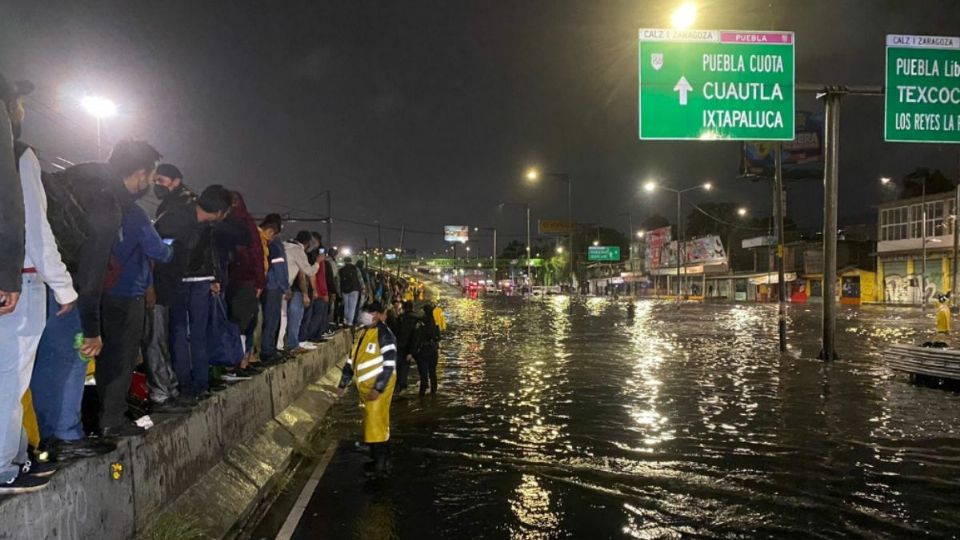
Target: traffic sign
716 84
922 92
603 253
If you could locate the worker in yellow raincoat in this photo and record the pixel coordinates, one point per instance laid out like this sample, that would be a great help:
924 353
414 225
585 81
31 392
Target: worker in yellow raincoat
372 362
943 313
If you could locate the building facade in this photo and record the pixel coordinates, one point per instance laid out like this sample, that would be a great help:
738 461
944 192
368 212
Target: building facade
901 276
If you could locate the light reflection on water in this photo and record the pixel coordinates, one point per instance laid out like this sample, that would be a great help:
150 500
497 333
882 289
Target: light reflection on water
681 421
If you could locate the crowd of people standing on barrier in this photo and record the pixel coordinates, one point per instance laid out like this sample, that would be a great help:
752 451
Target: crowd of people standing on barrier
196 296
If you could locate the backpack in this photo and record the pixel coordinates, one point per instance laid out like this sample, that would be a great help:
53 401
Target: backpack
65 213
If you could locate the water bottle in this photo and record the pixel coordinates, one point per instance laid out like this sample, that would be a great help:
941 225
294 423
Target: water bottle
77 343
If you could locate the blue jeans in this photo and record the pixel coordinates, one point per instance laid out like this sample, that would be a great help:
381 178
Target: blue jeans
58 376
189 318
272 304
294 318
350 301
316 327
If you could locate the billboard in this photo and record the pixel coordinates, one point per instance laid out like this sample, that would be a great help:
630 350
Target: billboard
705 250
456 233
657 239
802 157
553 226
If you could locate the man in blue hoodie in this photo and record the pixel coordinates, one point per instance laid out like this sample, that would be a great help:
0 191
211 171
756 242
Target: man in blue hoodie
122 310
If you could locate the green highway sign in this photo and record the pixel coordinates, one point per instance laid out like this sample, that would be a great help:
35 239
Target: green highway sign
716 84
603 253
922 92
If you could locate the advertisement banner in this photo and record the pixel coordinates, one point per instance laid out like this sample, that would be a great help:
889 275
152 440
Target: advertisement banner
657 240
802 157
456 233
705 250
553 226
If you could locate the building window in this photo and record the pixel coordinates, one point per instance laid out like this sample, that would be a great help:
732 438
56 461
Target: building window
906 222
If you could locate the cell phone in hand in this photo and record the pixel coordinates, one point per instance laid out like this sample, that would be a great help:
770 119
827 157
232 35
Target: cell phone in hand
168 241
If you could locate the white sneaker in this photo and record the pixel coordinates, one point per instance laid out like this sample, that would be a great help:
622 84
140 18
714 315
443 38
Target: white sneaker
232 378
308 346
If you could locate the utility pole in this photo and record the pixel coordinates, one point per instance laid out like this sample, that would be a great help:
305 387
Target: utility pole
778 209
679 246
831 179
923 250
380 245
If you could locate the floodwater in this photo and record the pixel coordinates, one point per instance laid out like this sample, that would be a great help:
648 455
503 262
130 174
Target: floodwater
682 422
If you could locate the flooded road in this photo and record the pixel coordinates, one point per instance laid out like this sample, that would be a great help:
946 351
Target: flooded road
680 422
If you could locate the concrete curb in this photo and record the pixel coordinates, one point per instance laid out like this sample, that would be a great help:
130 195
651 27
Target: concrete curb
214 464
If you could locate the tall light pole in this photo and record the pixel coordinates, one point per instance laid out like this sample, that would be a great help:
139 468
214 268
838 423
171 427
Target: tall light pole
494 229
534 175
651 186
99 108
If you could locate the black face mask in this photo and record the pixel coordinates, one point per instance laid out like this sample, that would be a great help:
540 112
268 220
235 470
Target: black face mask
160 191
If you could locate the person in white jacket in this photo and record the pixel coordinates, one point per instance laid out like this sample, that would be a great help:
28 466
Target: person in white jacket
20 331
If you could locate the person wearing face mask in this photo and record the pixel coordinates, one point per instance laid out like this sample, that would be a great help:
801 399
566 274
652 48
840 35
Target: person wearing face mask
372 362
104 191
170 189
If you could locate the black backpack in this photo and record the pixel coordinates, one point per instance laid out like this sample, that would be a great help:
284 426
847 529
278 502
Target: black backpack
65 213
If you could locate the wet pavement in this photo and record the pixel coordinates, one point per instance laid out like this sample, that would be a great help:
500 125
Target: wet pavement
682 422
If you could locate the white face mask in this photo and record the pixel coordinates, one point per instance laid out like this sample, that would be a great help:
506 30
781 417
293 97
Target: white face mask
366 318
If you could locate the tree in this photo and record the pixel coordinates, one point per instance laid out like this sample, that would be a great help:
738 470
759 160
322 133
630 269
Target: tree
912 185
514 249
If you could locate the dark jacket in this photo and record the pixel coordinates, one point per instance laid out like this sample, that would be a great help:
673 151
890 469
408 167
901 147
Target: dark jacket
246 264
406 334
11 211
179 196
104 199
193 251
139 243
333 285
350 280
278 278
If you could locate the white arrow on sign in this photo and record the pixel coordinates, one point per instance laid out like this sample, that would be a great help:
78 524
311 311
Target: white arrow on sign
683 87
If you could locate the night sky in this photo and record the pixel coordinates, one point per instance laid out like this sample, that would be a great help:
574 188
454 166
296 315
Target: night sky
427 112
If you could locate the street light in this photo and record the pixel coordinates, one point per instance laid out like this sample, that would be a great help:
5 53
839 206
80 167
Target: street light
99 108
651 186
640 234
885 180
533 175
559 249
596 243
741 211
684 16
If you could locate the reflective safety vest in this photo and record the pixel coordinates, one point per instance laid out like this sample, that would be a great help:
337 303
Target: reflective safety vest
373 358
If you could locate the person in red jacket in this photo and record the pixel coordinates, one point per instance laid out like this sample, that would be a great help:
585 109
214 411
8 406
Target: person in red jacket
316 322
247 278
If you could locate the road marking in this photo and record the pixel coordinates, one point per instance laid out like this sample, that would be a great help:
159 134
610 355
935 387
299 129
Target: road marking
290 525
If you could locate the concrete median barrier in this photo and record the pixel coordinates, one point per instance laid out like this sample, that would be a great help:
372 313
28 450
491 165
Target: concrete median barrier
212 466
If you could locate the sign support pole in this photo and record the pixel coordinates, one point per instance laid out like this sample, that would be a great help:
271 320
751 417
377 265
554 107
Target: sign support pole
831 176
778 209
956 229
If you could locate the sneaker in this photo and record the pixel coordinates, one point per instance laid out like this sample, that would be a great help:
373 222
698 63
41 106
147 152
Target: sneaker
308 346
234 377
123 430
38 469
23 483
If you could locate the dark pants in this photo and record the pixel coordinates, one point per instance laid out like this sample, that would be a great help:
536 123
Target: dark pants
315 324
403 369
122 324
272 301
189 319
427 359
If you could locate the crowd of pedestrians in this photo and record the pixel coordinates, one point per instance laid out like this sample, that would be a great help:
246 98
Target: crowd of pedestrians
93 288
